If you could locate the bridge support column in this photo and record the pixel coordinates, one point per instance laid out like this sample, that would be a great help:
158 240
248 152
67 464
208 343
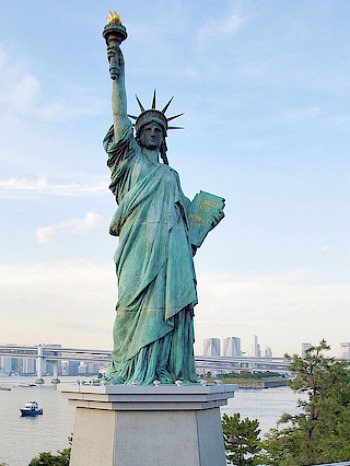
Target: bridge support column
55 380
39 366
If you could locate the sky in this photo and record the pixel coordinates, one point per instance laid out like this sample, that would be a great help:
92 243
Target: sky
265 88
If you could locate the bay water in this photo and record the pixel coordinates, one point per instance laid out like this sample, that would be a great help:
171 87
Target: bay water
22 438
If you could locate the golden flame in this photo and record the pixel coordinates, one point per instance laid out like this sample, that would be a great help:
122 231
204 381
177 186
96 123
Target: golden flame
113 17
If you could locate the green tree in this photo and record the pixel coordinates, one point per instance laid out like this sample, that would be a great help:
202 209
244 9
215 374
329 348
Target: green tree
241 438
46 458
321 432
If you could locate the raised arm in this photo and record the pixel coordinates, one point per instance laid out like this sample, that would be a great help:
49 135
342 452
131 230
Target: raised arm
119 101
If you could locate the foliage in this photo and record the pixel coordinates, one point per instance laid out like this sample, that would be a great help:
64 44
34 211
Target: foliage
251 375
48 459
245 377
321 432
241 439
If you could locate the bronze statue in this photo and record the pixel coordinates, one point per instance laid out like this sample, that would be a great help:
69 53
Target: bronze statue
153 331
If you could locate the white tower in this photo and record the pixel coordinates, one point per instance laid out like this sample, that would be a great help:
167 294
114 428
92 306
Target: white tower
231 346
211 347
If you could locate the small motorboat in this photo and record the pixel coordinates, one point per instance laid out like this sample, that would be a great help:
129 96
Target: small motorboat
31 409
5 387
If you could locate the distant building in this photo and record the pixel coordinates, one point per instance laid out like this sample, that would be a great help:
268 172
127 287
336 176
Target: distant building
211 347
73 367
345 350
268 352
231 346
83 368
304 348
6 365
29 366
256 348
17 365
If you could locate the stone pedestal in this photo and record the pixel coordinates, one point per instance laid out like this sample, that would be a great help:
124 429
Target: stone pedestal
164 425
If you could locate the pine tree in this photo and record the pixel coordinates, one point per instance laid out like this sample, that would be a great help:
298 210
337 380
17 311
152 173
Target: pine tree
321 432
241 439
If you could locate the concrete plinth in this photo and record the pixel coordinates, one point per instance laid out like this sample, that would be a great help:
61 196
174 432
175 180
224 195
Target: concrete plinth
148 425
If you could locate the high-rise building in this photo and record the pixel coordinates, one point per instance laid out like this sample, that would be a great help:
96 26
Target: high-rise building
345 350
231 346
211 347
268 352
304 347
256 348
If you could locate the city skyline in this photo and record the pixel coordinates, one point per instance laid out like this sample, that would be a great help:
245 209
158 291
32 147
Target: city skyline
265 90
228 346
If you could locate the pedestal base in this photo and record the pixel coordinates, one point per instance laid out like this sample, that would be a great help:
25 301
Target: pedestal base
149 426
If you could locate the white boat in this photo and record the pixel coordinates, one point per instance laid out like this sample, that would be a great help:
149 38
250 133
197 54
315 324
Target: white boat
31 409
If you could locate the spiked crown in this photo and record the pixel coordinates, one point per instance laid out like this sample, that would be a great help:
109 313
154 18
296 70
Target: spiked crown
154 115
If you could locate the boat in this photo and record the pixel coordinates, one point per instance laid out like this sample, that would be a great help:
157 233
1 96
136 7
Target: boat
31 409
5 387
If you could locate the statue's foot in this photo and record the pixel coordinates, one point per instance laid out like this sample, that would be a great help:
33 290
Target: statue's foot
183 380
113 380
165 377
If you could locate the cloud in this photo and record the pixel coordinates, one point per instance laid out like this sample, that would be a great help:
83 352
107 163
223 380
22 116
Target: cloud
215 28
24 92
60 111
73 226
21 187
70 298
21 94
302 114
71 303
19 88
283 309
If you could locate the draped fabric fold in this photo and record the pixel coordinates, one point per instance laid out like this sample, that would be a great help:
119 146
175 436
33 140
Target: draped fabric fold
153 331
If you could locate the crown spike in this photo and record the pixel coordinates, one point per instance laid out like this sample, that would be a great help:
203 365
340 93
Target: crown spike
154 100
176 127
175 116
140 104
133 117
167 105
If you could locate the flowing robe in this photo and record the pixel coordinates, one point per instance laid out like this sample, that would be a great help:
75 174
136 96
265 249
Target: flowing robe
153 330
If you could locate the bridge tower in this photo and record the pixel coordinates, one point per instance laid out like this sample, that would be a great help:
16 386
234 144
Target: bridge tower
39 365
55 380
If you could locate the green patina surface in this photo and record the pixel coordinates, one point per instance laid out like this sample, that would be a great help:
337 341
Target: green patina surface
153 331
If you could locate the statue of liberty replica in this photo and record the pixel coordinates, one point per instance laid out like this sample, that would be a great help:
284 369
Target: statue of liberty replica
151 410
153 331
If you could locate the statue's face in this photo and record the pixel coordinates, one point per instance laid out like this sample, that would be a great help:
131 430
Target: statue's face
151 136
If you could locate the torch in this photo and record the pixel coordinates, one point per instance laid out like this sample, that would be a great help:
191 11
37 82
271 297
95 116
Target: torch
114 33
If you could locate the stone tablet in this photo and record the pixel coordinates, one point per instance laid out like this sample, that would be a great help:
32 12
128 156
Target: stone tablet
204 214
